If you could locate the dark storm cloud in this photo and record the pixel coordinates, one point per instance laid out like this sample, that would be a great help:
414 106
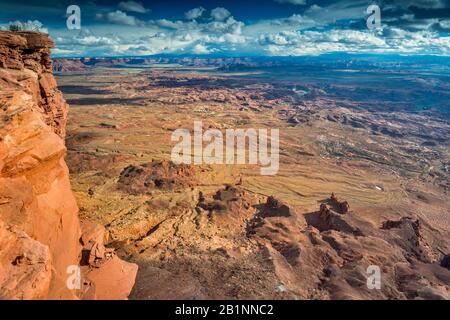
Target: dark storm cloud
430 13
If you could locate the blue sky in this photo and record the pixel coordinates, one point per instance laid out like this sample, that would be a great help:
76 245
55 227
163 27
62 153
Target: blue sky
238 27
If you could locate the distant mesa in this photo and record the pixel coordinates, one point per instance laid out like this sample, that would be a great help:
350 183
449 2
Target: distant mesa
68 65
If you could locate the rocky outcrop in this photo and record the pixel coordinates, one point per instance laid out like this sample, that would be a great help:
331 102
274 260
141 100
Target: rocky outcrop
342 206
326 256
39 225
163 175
105 276
411 237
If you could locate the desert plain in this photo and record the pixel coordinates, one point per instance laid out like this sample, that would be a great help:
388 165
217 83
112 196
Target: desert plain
363 179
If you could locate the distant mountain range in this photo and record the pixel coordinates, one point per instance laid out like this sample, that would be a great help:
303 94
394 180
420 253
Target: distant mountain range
245 63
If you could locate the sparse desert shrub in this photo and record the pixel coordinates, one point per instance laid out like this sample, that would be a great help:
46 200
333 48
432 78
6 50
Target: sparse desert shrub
29 25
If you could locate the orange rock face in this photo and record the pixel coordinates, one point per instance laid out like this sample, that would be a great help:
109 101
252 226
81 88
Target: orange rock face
105 276
39 225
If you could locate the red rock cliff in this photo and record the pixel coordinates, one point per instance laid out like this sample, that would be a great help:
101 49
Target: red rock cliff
40 234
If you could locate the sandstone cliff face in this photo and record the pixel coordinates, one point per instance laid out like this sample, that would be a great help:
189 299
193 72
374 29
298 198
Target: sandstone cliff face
39 226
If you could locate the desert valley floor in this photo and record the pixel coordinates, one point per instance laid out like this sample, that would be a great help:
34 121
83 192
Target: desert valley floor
227 232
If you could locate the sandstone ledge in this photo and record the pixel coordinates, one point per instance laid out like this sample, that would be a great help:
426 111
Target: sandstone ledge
39 226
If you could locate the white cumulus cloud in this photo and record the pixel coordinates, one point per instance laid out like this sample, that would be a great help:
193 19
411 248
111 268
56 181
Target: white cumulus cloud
220 14
133 6
119 17
200 49
194 13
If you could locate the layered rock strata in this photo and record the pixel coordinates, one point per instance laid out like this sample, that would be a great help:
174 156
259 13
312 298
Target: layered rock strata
39 225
